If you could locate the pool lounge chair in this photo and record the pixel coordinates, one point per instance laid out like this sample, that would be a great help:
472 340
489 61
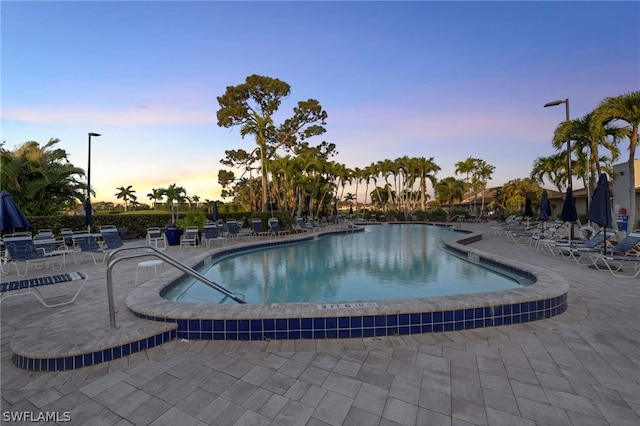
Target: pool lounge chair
190 237
212 233
233 229
617 265
301 226
257 229
275 229
67 236
111 237
626 252
20 248
578 252
34 287
155 236
88 245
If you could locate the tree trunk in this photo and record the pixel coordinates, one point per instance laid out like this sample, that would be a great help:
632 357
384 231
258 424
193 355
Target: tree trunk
265 183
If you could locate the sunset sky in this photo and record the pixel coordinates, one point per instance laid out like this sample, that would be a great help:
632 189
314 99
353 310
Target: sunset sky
446 80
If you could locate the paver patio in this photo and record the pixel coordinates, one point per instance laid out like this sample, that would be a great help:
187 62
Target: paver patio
579 368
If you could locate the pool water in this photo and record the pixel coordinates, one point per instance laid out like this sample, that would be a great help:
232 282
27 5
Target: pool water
384 262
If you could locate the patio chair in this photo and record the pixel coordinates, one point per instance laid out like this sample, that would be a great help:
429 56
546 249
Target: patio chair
190 237
579 252
233 229
301 226
626 251
44 234
21 248
88 245
257 229
3 256
212 233
52 247
274 227
155 236
67 236
33 286
111 237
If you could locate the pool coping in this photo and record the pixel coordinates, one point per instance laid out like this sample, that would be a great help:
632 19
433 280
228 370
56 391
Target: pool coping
545 298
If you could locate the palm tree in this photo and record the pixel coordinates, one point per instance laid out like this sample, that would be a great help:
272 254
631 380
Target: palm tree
450 189
126 194
467 167
588 140
358 176
156 195
516 191
41 179
387 167
175 193
482 174
426 170
623 110
552 168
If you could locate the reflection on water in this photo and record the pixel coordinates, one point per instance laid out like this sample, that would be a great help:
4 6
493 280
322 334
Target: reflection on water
385 262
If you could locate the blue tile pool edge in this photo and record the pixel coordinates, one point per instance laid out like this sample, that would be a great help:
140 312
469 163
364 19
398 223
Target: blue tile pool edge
80 360
544 299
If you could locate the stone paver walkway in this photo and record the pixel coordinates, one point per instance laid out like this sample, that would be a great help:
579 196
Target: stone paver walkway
579 368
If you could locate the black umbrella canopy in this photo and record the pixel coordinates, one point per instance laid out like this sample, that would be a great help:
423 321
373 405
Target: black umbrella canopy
569 213
88 213
600 210
545 208
528 210
216 215
11 217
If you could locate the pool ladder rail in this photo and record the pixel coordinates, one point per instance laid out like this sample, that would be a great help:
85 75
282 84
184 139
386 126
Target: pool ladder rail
152 251
459 217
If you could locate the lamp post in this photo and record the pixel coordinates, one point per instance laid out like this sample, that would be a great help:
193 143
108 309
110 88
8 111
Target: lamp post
89 175
569 173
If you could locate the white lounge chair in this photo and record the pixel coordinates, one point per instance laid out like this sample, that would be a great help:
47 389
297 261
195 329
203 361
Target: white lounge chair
190 237
34 287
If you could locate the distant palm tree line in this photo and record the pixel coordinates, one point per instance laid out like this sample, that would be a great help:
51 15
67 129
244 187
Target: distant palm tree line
305 179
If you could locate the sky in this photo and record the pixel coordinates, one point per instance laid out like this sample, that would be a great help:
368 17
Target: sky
447 80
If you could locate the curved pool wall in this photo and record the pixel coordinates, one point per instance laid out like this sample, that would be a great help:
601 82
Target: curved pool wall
545 298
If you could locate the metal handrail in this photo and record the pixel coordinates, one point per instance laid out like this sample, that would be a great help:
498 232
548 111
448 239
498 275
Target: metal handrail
460 218
152 251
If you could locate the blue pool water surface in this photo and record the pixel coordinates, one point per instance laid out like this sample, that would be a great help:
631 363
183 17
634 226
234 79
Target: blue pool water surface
384 262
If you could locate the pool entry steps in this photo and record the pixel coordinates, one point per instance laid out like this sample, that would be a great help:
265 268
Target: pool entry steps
170 320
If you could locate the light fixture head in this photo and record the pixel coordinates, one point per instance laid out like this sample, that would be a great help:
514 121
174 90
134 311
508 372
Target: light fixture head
554 103
95 134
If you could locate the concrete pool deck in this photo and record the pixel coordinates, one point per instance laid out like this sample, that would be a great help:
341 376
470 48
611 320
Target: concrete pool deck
581 367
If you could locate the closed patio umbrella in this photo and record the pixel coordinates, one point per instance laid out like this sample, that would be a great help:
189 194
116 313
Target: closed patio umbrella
528 210
545 208
569 213
216 215
88 213
600 209
11 217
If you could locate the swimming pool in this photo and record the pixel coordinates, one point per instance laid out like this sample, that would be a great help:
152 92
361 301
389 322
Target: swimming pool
383 262
545 298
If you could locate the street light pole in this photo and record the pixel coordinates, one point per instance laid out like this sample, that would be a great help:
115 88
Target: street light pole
89 171
569 172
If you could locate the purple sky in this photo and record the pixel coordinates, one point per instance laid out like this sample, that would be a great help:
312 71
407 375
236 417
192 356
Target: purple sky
446 80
